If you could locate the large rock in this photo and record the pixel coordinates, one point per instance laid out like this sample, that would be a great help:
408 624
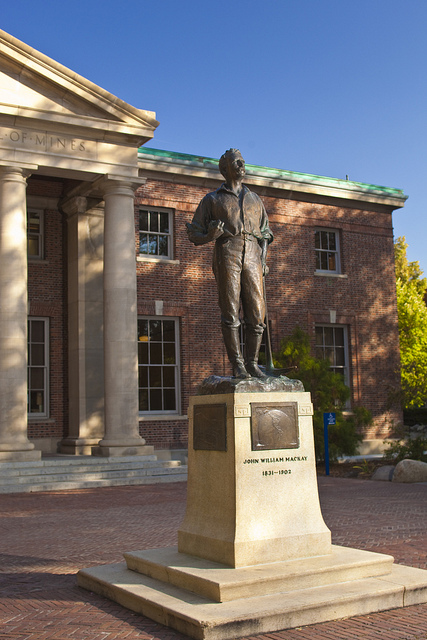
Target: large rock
384 473
410 471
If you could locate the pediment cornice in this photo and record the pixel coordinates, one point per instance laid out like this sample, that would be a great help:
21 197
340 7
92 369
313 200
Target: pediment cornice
37 90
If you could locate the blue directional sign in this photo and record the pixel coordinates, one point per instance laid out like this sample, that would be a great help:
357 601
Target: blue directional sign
329 419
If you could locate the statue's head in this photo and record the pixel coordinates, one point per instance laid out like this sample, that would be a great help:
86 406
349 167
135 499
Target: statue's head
230 159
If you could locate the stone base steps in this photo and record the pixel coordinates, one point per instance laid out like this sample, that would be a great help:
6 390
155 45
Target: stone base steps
208 601
62 472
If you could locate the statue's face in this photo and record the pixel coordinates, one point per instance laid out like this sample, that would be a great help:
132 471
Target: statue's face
235 167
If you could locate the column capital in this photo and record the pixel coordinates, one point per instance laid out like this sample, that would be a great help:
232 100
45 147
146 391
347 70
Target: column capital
76 205
118 185
14 173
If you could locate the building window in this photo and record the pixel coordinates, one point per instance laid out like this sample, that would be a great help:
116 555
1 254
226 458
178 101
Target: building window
35 233
331 344
155 233
158 365
327 250
38 366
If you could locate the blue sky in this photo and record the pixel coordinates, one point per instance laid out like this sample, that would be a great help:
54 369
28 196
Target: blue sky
329 87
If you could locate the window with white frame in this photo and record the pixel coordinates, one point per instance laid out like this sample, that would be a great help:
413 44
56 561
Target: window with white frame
35 233
155 233
326 242
158 365
332 345
38 367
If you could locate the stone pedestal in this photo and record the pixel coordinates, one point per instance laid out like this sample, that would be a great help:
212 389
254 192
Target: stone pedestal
252 489
254 555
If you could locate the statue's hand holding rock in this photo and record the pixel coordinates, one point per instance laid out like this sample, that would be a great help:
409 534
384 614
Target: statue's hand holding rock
215 229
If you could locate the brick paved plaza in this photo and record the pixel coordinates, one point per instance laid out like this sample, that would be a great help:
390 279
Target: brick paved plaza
45 538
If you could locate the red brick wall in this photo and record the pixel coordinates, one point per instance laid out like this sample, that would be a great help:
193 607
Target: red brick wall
165 434
48 298
365 300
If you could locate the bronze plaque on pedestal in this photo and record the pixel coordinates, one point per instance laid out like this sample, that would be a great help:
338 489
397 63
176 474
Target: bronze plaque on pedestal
274 425
209 427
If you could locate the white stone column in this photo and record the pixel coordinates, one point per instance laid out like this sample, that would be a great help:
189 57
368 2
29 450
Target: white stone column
120 324
14 443
85 225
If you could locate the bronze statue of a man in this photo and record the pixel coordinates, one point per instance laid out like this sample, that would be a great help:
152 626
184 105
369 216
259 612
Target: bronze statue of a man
235 218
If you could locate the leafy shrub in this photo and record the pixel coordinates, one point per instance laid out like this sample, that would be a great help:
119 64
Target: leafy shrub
411 448
410 440
328 393
411 289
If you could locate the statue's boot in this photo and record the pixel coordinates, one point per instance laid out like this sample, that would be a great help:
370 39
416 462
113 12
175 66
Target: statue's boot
252 347
232 344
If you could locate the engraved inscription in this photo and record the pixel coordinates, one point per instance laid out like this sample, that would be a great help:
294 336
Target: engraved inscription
209 427
45 141
280 472
242 411
305 409
274 425
282 459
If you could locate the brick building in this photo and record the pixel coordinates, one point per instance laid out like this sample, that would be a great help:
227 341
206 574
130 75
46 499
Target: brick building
113 359
331 272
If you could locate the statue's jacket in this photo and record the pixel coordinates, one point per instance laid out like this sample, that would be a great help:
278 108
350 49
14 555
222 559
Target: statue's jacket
242 214
236 259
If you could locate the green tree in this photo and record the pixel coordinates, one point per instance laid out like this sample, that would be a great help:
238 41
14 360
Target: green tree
412 314
328 393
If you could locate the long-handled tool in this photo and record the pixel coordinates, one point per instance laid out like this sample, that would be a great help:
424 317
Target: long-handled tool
269 368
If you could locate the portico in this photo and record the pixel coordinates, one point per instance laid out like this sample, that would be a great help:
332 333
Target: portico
56 124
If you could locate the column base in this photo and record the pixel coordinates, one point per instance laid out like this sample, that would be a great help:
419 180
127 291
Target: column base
124 447
20 456
111 452
78 446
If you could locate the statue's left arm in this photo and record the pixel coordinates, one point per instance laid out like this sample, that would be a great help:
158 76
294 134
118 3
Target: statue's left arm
266 238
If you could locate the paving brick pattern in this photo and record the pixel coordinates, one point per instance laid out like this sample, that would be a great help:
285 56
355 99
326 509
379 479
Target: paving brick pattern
46 537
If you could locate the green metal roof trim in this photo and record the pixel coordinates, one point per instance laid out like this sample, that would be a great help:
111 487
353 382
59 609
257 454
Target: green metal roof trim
185 158
278 174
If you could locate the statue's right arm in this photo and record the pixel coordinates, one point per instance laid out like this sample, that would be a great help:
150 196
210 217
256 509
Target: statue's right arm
203 229
197 236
